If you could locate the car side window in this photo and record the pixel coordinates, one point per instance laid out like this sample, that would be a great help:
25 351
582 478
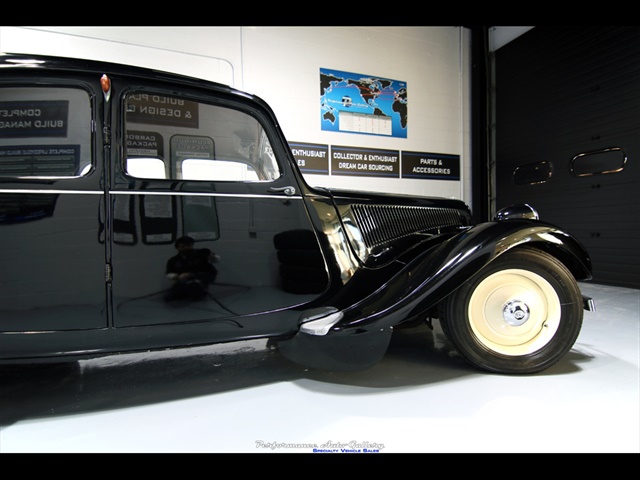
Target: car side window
169 137
45 132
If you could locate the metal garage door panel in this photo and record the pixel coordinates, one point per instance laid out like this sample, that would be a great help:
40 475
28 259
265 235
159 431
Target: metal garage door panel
562 92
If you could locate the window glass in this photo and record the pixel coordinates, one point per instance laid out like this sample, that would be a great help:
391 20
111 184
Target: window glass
45 132
195 141
532 173
609 160
195 169
146 167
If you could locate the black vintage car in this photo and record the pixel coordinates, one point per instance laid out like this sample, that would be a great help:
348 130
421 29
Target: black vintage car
144 210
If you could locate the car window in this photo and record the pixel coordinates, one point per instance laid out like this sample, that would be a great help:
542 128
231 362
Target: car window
196 169
45 132
532 173
598 162
178 139
146 167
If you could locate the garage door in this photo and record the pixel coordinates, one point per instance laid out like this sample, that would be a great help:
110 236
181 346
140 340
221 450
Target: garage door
568 138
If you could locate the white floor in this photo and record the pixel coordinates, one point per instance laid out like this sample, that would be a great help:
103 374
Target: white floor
422 398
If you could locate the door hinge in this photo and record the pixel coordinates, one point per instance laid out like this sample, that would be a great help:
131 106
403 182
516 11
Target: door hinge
107 273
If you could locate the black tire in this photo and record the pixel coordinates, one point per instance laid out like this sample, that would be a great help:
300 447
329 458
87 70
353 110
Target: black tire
520 314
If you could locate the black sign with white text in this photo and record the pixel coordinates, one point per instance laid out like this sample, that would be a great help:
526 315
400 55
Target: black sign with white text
39 160
144 144
311 157
161 110
365 162
432 166
34 118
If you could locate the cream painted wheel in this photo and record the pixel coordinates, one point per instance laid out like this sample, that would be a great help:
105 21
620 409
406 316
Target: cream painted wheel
520 314
514 312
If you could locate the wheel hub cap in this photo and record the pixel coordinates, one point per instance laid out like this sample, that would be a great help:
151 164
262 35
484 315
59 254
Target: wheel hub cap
515 312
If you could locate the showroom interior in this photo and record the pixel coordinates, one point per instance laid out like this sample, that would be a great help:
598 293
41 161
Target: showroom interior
540 115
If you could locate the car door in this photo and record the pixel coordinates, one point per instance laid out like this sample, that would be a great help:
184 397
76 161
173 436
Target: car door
205 169
51 192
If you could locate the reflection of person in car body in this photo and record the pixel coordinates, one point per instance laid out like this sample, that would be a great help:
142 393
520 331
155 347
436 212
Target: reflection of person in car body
191 271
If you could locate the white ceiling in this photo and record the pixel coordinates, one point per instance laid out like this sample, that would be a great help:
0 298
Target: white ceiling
499 36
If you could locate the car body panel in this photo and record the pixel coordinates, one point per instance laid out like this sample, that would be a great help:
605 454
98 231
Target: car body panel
143 158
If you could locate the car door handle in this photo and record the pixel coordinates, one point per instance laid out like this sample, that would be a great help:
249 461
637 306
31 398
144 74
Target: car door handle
286 190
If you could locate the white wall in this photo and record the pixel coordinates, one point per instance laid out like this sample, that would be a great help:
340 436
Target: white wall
282 64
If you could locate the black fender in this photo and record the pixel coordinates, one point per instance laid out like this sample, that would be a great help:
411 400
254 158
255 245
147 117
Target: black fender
437 273
360 337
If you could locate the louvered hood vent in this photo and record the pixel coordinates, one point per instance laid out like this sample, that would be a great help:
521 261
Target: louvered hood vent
380 224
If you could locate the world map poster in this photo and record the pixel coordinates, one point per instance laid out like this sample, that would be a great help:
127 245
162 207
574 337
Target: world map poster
357 103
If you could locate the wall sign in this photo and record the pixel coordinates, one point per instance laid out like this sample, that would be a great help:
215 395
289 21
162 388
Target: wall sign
161 110
311 157
200 217
39 160
34 118
365 162
158 218
345 160
357 103
124 225
430 166
191 146
144 144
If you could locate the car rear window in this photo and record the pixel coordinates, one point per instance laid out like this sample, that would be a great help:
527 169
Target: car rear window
45 132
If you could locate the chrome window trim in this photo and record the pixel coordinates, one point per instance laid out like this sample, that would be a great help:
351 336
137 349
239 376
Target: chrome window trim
144 192
203 194
30 190
596 152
